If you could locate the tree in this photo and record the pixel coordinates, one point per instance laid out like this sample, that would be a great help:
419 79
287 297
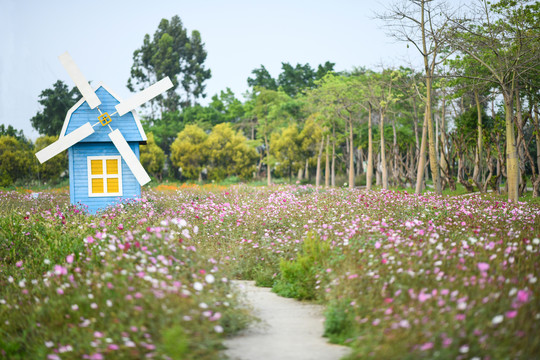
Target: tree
152 157
292 79
422 24
382 96
228 154
286 150
311 141
16 160
268 111
295 79
52 169
171 52
56 102
341 97
228 106
503 38
187 152
262 79
11 131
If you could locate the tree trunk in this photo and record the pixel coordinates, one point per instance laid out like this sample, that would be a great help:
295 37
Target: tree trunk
444 146
334 157
268 169
395 148
351 155
327 165
421 159
536 184
511 150
384 169
360 168
415 123
478 155
433 162
306 172
521 145
378 177
319 156
369 173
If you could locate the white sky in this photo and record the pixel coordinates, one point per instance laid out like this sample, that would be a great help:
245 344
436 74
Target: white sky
239 36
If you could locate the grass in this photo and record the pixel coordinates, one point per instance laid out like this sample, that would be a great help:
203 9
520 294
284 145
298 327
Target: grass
401 275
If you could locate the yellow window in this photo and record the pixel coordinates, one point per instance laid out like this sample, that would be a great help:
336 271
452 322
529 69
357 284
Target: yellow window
97 186
112 167
112 185
97 167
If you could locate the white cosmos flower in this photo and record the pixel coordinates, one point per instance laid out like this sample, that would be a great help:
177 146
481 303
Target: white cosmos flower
197 286
497 319
209 278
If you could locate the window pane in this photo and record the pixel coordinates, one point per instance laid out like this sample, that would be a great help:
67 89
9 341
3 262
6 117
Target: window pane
96 167
112 185
97 186
112 166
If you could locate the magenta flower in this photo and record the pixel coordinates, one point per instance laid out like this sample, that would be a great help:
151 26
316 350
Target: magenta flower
60 270
522 296
426 346
483 266
511 314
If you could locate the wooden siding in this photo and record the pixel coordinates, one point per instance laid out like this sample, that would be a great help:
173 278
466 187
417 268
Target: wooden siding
78 175
84 114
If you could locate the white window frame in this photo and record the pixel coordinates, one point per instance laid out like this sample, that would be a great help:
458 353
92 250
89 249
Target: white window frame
104 176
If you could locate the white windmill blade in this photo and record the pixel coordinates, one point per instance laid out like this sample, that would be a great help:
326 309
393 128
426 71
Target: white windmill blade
80 81
147 94
65 142
129 157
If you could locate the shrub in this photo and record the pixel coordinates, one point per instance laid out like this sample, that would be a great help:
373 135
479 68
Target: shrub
299 277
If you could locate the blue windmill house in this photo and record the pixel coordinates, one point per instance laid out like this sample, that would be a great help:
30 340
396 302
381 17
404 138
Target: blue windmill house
102 135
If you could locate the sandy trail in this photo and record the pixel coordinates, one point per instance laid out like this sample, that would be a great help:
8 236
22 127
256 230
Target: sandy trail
289 329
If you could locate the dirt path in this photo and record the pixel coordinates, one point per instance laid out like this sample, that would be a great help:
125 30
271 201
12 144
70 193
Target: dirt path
289 329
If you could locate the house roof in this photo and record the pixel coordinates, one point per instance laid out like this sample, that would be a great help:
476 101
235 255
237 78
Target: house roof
80 113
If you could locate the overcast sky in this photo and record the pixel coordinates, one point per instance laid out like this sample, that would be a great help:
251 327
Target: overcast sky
239 36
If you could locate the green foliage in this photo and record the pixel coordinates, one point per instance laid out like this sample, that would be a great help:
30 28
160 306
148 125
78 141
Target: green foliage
11 131
285 147
52 169
299 277
175 342
339 321
16 160
262 79
466 124
56 102
292 80
152 157
228 154
173 53
187 151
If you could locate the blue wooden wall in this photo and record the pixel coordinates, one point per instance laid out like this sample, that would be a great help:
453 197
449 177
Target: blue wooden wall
84 114
78 175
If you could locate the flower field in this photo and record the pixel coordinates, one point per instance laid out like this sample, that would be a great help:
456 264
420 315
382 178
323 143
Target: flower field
402 276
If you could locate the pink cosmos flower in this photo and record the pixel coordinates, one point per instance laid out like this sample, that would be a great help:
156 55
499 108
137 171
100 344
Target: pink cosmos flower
511 314
522 296
19 263
60 270
69 259
483 266
426 346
